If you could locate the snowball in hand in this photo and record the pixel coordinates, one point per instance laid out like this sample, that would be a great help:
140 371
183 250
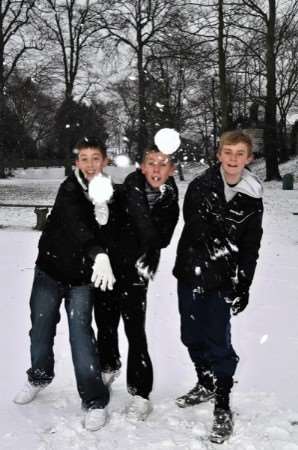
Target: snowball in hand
167 140
100 188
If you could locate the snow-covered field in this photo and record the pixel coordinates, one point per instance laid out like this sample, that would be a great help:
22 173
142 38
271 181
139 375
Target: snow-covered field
265 399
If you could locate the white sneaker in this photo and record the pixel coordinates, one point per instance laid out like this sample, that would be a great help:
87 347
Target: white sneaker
109 377
95 419
138 409
27 394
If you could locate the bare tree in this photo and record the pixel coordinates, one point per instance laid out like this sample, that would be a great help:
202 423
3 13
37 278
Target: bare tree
287 84
137 25
268 21
71 30
224 84
15 42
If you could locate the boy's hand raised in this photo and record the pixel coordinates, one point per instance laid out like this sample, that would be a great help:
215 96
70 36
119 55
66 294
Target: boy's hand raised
102 275
239 303
147 264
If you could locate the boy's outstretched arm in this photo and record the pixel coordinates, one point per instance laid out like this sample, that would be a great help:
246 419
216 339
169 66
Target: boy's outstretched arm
168 213
248 255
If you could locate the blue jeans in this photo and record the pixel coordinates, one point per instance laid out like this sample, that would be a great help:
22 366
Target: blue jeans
206 331
46 297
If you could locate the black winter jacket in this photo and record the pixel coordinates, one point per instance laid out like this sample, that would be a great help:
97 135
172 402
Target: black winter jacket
219 245
72 237
136 229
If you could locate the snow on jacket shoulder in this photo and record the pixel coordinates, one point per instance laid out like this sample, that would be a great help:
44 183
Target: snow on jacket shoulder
72 237
220 240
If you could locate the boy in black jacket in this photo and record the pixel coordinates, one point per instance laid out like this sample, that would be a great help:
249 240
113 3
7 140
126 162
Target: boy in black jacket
71 253
215 265
144 213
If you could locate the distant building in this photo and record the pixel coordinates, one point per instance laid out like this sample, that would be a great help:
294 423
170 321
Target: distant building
254 126
257 136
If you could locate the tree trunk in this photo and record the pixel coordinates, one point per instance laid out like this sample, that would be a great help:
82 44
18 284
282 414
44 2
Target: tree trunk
2 133
225 102
270 135
142 128
284 151
2 108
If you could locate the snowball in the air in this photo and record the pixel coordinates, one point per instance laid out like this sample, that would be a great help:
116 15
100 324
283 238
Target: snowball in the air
167 140
122 161
159 105
264 339
100 188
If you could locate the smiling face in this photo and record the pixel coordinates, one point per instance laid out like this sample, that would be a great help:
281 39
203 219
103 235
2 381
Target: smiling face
91 162
157 167
233 158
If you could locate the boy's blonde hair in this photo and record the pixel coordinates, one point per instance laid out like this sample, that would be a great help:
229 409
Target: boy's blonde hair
235 137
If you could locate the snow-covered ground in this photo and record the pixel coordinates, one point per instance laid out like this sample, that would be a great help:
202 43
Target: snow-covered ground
265 399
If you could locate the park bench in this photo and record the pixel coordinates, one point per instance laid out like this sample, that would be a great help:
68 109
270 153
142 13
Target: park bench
41 212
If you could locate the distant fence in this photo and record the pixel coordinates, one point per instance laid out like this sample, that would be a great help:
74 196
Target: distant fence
25 163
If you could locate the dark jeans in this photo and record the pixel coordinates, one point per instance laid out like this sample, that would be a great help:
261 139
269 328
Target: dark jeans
46 297
206 331
128 302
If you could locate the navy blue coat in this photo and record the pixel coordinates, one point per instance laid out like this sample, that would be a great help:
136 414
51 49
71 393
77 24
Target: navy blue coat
220 240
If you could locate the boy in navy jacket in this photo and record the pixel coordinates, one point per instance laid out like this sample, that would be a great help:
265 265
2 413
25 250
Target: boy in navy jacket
215 265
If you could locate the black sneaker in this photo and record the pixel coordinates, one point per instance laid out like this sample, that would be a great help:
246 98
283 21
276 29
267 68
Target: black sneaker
198 394
222 427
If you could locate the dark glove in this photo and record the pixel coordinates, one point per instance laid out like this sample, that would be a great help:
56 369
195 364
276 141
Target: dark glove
168 193
147 264
239 303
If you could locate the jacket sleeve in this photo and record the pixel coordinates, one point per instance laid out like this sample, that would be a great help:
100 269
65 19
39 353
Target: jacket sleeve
77 217
249 246
167 212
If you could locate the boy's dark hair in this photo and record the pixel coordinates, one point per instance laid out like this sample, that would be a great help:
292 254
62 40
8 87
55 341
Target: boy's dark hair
90 142
153 149
235 137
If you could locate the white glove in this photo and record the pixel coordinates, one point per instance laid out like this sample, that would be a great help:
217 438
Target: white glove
101 213
102 275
